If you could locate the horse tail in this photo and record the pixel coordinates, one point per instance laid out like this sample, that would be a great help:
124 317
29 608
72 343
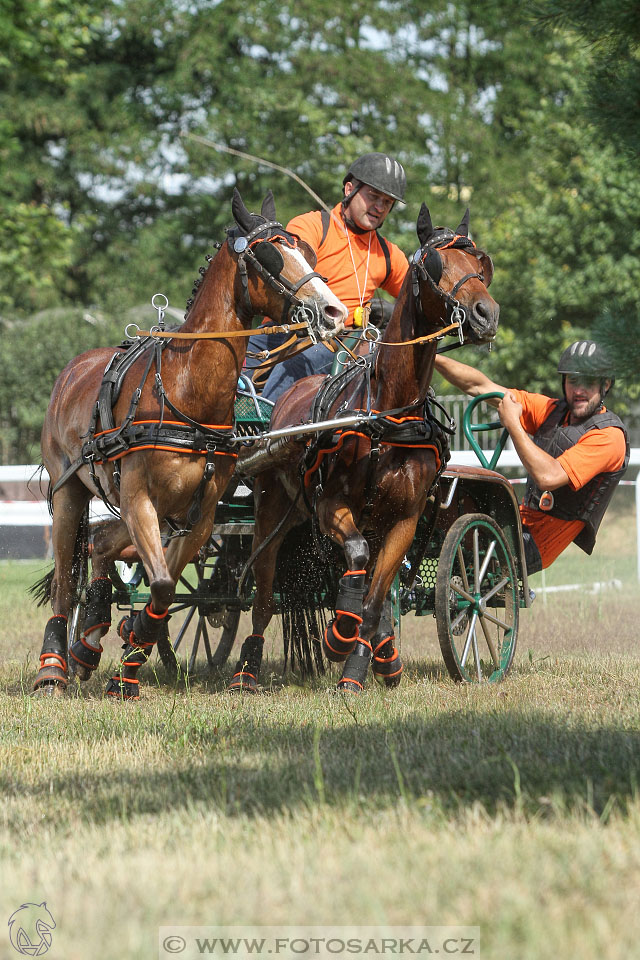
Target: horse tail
307 586
41 589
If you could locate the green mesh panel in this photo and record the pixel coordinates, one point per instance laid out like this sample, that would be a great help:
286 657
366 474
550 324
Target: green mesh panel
246 411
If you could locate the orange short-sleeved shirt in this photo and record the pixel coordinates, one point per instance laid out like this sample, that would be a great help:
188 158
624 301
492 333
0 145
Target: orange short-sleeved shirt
598 451
335 259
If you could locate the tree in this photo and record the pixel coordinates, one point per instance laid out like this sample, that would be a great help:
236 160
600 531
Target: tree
611 28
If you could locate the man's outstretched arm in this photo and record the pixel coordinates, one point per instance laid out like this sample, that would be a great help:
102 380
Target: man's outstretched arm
468 379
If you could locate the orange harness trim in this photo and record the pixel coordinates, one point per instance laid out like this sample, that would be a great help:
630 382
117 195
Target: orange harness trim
167 447
384 443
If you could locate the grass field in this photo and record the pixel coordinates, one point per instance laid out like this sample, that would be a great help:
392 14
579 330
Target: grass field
512 807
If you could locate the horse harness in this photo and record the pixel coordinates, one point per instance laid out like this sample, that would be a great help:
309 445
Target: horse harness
182 435
426 264
414 426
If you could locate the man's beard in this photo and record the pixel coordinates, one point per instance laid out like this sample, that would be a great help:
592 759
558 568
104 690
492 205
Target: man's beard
593 406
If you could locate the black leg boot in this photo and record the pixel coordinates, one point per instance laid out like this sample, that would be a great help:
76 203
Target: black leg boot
355 671
53 675
245 677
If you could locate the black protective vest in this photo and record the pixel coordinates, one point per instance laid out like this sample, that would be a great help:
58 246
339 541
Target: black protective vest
589 503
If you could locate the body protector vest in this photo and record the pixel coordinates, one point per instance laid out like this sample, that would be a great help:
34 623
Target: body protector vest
589 503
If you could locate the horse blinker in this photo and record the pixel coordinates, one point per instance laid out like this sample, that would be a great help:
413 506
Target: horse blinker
268 256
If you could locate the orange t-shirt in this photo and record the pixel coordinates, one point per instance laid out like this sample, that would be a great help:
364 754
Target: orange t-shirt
597 451
335 259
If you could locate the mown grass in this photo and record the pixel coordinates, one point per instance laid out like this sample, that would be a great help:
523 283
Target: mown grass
513 807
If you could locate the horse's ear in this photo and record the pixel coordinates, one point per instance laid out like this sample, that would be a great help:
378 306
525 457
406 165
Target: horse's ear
307 252
424 226
269 207
463 228
486 265
240 213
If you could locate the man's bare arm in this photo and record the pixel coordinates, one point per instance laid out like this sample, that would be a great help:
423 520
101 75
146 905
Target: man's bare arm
545 470
468 379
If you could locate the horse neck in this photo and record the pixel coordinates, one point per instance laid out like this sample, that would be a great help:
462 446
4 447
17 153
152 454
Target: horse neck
201 375
403 374
214 307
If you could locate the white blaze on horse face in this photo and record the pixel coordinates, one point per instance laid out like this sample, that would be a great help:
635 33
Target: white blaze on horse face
317 290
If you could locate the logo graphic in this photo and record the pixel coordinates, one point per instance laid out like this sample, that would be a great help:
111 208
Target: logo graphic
30 929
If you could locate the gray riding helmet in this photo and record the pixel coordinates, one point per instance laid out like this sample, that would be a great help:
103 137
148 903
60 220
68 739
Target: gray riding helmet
588 359
379 171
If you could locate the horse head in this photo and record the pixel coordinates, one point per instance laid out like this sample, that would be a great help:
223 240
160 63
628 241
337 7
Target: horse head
451 275
281 268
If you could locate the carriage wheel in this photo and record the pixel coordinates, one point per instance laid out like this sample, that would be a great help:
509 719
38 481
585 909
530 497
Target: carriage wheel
477 600
216 630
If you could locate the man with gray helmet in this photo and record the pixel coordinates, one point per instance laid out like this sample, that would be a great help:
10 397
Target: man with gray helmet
574 450
351 254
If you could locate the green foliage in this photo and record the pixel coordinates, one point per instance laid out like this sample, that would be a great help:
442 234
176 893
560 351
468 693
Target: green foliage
33 353
107 200
612 30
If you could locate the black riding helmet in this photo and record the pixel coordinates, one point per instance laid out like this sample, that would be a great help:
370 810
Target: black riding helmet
379 171
588 359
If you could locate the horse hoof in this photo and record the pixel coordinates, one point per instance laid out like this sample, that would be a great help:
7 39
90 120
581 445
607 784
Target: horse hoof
243 683
49 690
79 671
349 686
123 689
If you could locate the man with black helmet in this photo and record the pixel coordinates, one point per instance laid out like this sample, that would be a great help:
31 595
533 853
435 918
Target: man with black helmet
351 254
574 450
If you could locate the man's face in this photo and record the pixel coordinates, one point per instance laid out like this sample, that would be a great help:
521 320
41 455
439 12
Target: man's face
369 207
583 395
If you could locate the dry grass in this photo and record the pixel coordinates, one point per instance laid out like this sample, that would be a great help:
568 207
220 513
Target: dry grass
512 807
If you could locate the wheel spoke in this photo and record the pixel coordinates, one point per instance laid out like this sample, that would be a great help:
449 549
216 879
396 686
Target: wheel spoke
476 559
461 593
196 644
496 589
499 623
207 646
474 640
467 644
463 569
489 641
486 562
183 628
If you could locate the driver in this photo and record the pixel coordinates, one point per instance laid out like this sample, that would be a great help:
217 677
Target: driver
353 256
574 450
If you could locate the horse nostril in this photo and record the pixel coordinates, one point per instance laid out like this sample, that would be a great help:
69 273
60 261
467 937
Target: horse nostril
486 312
332 316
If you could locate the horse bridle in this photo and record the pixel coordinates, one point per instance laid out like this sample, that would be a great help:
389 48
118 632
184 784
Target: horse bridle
293 308
427 264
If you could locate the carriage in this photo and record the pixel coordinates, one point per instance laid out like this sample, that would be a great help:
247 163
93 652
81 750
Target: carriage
465 567
158 430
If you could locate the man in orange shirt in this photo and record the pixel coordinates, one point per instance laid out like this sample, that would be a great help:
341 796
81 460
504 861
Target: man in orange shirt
575 451
351 254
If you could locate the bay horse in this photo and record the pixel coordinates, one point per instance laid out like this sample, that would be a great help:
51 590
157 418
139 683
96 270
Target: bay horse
148 430
367 485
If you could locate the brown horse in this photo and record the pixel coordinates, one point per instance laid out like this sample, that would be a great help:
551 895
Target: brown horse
368 485
151 436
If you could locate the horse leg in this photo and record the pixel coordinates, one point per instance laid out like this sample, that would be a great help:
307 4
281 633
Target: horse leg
342 635
69 503
141 631
268 515
376 638
109 539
